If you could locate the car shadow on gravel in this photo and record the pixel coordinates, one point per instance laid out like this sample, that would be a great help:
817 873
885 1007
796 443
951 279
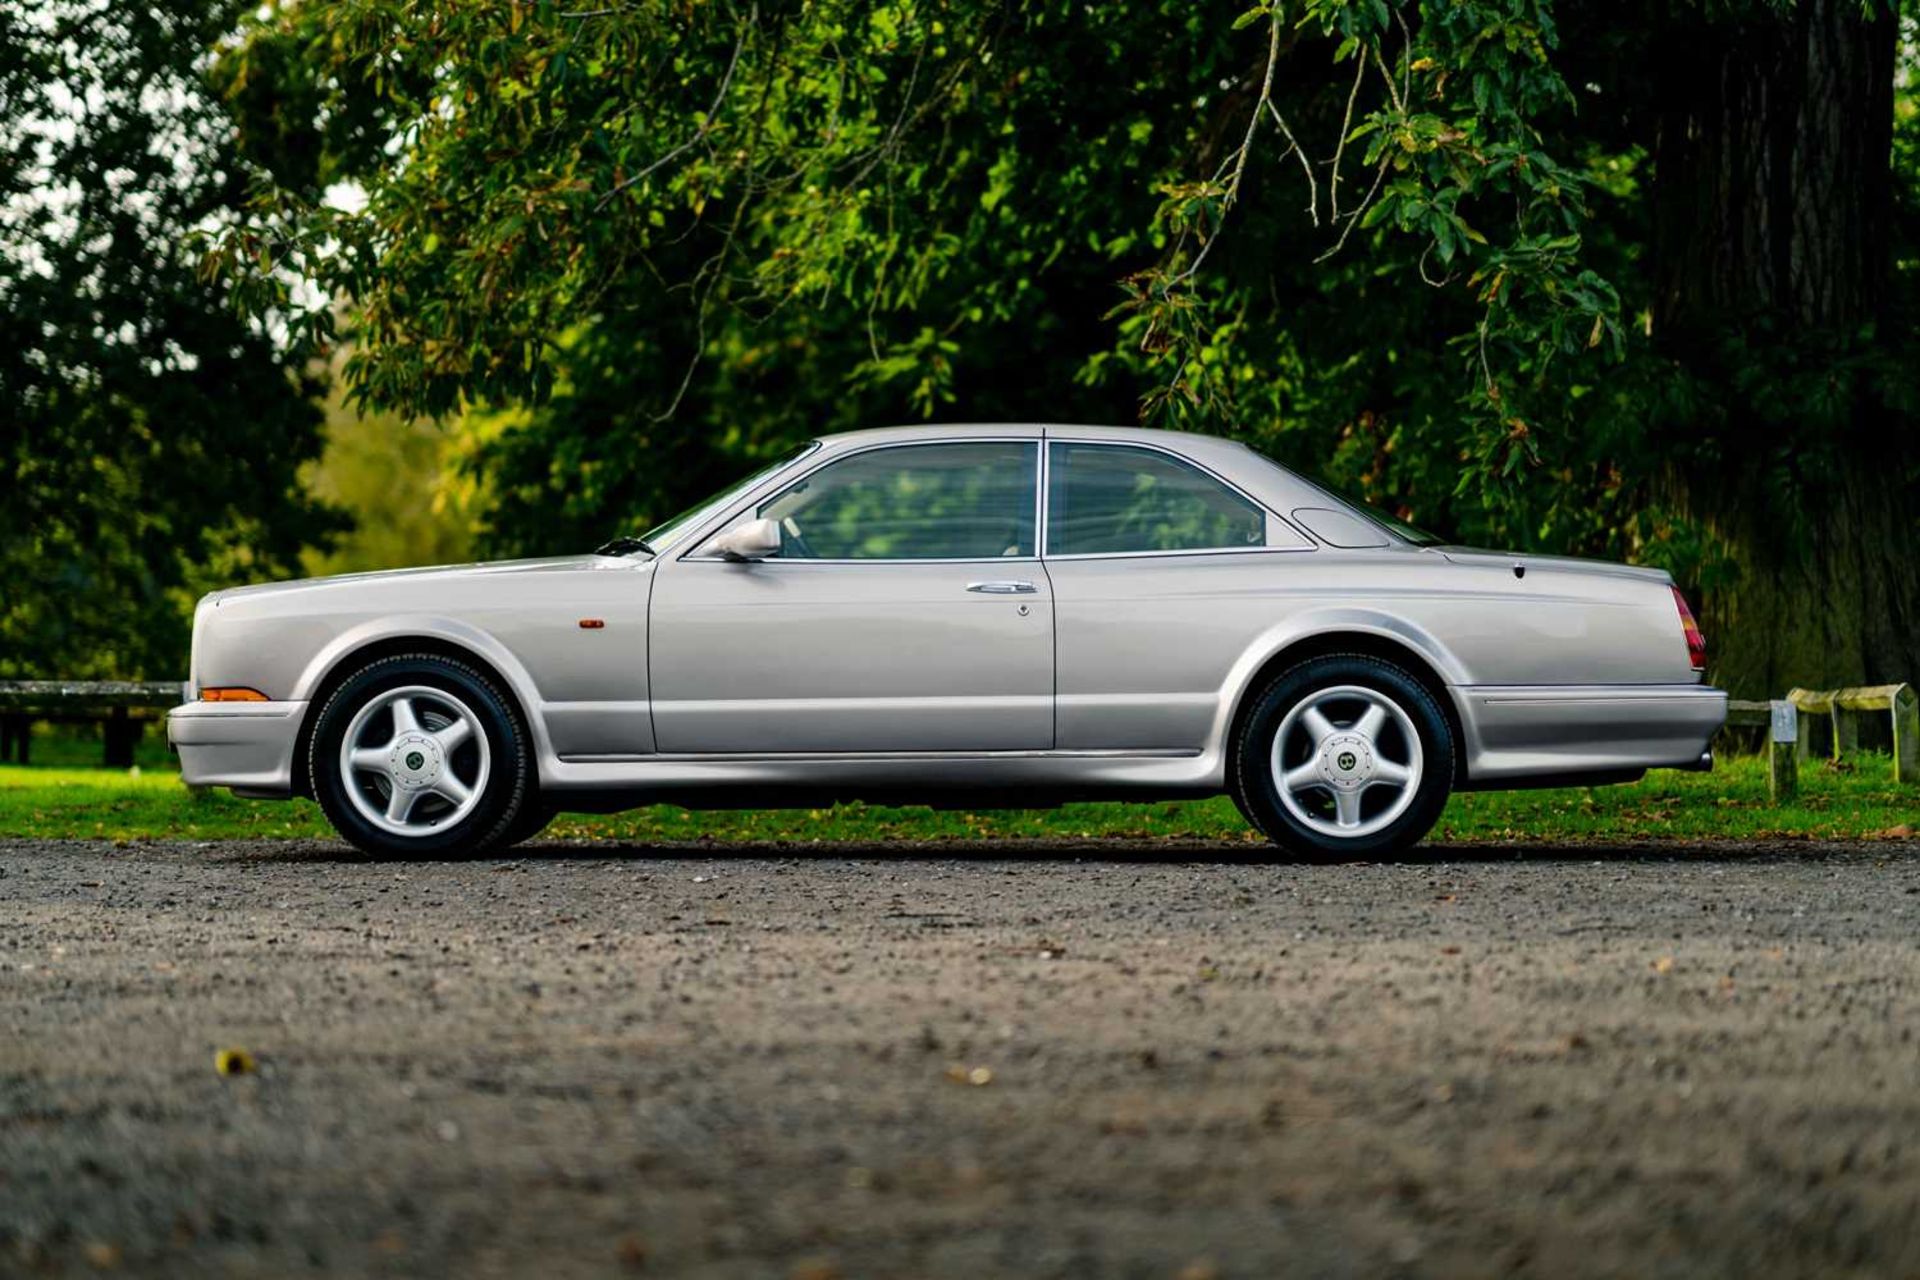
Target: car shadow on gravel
1122 851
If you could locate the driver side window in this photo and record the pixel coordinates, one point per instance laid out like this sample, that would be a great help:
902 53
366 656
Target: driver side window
970 500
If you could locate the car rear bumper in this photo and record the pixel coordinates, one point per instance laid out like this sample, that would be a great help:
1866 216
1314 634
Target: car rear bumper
1514 733
244 745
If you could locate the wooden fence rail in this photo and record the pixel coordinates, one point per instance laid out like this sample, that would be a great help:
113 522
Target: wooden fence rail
1843 709
112 702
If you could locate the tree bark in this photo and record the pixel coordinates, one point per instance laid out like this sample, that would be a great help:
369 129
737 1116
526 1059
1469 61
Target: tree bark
1773 181
1773 205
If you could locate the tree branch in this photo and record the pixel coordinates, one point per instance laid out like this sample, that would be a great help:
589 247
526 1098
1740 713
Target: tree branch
706 126
1340 147
1306 165
1245 149
1353 219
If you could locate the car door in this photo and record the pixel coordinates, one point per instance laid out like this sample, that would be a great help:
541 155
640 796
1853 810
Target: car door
906 610
1163 573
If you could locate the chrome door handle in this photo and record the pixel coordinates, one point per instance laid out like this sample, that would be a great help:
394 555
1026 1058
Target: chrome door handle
1003 588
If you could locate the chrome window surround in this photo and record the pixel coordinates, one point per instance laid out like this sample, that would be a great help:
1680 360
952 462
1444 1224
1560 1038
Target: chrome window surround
780 482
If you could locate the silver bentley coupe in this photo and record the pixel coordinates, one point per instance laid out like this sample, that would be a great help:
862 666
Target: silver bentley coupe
974 616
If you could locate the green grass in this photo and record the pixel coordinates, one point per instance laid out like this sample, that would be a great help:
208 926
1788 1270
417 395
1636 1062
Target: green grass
1857 799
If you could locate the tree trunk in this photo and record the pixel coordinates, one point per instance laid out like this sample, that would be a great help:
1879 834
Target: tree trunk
1773 203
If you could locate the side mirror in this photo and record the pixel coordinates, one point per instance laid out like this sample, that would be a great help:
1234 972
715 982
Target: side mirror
754 540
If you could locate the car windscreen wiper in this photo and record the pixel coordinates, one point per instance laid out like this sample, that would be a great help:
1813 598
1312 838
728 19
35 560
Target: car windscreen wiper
623 546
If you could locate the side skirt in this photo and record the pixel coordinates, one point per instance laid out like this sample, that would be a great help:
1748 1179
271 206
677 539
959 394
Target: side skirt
993 779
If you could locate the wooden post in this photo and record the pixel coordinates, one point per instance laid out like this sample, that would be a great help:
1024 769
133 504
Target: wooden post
1846 730
16 732
1906 735
1802 742
122 732
1783 760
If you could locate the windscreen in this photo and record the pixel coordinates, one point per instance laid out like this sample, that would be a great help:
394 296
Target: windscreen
666 534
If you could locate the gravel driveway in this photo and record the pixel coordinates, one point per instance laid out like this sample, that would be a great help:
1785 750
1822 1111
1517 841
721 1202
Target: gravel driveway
1009 1059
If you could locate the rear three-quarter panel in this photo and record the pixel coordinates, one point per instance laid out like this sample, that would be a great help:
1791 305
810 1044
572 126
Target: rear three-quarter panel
1153 651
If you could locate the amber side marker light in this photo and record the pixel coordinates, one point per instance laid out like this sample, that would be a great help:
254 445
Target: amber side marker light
1696 643
234 693
592 624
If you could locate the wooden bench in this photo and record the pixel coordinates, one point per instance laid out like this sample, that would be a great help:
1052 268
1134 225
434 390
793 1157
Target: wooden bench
112 702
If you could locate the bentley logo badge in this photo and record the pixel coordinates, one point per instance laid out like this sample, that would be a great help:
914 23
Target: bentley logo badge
1346 760
415 760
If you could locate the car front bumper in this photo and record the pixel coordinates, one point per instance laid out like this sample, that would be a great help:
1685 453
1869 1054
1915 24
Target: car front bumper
247 746
1517 733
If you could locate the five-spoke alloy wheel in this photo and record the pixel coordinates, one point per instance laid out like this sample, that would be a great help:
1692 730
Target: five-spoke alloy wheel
1344 756
422 754
415 759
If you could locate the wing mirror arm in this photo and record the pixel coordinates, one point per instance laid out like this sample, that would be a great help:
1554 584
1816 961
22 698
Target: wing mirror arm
753 540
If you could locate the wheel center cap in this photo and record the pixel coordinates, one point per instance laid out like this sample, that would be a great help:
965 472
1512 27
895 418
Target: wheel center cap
1346 761
415 762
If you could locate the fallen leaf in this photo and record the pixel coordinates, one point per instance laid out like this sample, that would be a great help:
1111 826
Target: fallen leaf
1663 965
234 1062
632 1252
975 1076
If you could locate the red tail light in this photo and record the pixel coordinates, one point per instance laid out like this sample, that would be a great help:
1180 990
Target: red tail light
1696 643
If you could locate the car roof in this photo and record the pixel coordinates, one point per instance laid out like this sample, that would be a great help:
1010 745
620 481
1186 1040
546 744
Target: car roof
1025 431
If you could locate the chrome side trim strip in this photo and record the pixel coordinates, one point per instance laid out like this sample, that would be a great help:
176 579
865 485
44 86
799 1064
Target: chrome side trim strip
881 757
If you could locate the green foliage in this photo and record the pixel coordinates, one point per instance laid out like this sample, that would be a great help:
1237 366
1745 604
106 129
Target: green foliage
641 246
629 251
149 437
397 477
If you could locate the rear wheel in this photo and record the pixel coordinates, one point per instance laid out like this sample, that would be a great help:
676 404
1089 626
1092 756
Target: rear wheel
421 754
1344 756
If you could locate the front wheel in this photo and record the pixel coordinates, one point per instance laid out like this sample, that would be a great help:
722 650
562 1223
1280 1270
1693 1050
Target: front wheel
421 755
1345 756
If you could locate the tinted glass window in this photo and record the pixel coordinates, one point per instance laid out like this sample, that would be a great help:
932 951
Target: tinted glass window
1111 498
971 501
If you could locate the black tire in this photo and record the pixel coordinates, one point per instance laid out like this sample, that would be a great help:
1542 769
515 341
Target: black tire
533 818
508 786
1379 830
